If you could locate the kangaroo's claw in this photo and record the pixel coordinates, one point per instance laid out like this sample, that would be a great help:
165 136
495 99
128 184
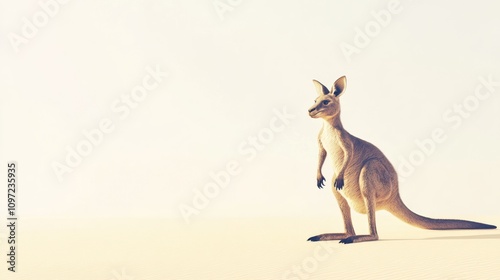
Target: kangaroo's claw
314 238
339 183
320 182
347 240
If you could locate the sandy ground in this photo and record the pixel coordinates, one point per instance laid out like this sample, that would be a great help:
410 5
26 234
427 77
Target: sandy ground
271 248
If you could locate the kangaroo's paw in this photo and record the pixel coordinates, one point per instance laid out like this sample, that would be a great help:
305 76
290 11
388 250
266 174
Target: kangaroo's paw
314 238
339 183
358 238
328 236
347 240
320 181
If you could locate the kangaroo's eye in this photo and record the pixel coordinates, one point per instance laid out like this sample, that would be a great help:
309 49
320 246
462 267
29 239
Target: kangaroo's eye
325 102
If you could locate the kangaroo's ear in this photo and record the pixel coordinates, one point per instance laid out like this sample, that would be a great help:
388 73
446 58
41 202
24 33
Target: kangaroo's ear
339 86
320 88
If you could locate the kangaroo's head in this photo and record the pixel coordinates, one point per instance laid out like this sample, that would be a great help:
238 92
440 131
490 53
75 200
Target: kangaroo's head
327 103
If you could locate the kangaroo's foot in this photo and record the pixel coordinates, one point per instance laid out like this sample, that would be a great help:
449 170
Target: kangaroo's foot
329 236
358 238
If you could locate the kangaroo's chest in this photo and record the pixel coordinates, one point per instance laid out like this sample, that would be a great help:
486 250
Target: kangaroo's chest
330 139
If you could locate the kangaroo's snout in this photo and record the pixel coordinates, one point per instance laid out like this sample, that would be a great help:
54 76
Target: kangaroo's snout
313 112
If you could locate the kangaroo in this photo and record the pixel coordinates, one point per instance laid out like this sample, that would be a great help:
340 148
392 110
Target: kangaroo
365 179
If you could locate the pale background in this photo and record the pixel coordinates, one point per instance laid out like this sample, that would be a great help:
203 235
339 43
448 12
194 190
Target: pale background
226 76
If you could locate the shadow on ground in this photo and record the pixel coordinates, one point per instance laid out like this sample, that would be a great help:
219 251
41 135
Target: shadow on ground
469 237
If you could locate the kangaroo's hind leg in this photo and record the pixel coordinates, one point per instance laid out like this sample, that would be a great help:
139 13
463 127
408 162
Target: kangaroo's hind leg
374 183
346 214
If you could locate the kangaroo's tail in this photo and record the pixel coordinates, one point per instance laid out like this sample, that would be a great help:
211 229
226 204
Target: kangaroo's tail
399 209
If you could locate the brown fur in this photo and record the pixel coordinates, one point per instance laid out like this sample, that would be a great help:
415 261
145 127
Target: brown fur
365 179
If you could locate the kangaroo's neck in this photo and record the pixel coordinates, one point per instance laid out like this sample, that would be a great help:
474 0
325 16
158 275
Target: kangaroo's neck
334 123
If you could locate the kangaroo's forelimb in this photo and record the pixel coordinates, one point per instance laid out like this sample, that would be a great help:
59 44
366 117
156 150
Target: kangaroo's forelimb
320 179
